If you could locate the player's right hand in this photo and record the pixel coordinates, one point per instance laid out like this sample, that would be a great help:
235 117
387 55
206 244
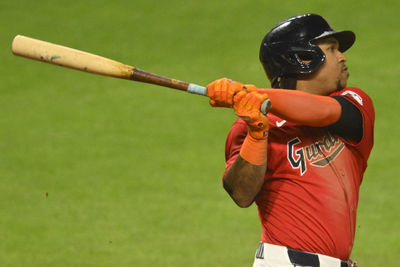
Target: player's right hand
222 91
247 107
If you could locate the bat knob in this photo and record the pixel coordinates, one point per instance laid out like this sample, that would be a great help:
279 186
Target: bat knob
265 106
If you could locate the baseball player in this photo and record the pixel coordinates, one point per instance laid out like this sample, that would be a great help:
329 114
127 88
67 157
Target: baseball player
303 162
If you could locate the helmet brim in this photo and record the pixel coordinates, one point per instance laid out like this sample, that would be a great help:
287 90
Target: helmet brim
345 38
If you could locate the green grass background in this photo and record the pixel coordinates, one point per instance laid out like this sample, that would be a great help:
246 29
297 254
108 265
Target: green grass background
97 171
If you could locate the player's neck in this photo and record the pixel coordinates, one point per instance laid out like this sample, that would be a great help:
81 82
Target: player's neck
312 87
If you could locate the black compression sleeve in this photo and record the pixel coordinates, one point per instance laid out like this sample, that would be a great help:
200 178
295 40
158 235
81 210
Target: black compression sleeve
349 125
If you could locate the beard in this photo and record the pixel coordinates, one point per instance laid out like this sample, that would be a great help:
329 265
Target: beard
339 86
342 82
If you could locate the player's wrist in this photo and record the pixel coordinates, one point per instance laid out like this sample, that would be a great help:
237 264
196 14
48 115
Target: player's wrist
254 150
259 135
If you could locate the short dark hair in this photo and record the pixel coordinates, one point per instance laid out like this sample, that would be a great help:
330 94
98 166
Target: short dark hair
284 82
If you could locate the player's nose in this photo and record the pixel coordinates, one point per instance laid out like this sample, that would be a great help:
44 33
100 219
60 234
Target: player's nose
341 57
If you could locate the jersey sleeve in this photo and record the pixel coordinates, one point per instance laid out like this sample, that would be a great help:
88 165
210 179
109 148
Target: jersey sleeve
234 142
364 104
349 125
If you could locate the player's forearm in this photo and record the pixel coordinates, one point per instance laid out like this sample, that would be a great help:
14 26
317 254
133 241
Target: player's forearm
303 108
243 181
245 177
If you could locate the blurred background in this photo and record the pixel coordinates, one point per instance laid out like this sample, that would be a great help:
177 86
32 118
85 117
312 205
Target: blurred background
97 171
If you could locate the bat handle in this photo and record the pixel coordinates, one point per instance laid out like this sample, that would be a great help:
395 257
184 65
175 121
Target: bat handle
201 90
265 106
197 89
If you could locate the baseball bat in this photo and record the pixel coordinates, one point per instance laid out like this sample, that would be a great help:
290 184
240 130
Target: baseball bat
75 59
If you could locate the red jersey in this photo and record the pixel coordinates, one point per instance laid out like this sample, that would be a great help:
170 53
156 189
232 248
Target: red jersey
309 198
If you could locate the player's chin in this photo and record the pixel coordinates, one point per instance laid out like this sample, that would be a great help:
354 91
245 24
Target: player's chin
341 83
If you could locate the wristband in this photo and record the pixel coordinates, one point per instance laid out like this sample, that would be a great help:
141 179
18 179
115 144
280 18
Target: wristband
254 151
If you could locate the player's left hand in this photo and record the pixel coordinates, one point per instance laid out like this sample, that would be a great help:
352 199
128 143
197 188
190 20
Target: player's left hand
222 91
247 107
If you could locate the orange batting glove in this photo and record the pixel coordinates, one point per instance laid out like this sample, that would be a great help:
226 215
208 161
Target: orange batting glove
222 91
247 106
250 88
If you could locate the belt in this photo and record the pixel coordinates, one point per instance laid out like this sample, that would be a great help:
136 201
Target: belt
273 253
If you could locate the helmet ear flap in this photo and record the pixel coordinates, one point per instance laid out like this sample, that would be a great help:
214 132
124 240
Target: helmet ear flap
308 59
292 59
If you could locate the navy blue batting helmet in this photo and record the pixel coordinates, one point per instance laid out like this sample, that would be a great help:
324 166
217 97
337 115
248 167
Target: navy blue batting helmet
288 50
